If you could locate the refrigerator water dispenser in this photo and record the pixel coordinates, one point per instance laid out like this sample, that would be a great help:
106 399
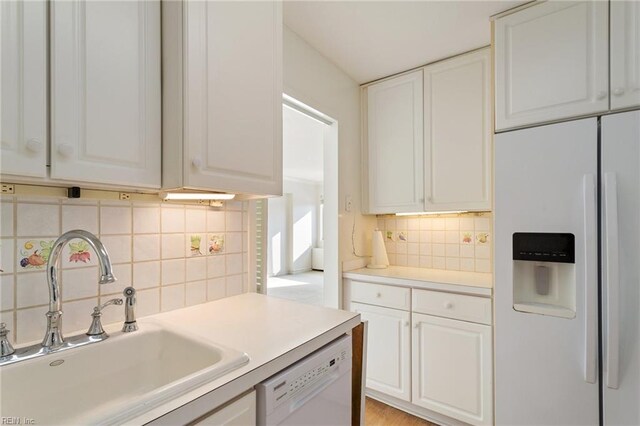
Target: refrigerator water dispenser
544 279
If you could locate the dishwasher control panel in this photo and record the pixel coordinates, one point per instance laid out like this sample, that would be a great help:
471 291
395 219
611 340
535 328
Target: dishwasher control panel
315 371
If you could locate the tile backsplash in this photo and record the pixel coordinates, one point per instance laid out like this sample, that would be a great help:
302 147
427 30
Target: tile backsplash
174 255
458 242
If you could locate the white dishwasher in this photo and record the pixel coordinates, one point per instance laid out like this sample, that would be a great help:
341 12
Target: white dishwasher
314 391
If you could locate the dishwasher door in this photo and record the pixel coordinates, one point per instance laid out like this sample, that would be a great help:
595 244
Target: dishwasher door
314 391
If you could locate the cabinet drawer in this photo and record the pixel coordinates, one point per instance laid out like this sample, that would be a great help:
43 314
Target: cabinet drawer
456 306
381 295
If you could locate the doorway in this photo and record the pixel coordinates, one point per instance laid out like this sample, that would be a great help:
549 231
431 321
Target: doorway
300 241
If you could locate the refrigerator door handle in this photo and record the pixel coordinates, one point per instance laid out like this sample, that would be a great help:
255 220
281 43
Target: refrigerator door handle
591 272
612 275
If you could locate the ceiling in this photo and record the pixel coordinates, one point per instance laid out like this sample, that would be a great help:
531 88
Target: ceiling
373 39
302 146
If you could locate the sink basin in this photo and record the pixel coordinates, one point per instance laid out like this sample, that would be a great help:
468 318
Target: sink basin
114 380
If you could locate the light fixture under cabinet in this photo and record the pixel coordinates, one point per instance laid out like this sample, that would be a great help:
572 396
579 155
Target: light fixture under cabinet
196 196
431 213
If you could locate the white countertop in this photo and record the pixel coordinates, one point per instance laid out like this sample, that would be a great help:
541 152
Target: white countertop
274 333
475 283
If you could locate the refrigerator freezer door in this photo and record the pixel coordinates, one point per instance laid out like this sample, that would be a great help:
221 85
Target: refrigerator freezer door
621 267
545 365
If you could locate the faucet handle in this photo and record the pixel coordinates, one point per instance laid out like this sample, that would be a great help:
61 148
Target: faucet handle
5 346
96 325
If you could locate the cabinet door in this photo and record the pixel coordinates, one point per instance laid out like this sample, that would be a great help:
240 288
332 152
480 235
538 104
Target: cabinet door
239 413
105 88
625 54
551 63
452 368
233 96
457 126
395 145
388 350
23 72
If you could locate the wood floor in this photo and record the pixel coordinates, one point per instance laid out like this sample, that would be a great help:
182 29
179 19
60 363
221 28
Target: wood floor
379 414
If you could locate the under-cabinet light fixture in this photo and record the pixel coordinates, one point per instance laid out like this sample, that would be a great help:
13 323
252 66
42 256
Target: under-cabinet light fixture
196 196
431 213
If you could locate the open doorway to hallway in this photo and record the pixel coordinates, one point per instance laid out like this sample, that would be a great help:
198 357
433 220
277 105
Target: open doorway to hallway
298 263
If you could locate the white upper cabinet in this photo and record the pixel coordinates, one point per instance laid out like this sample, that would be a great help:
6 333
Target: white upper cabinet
551 62
23 72
625 54
457 133
222 64
394 144
105 92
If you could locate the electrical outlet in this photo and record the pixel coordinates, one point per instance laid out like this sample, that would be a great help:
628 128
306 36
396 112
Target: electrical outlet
125 196
348 203
7 188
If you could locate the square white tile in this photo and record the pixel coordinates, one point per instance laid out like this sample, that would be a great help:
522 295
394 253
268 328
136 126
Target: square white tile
6 292
148 302
196 293
146 274
31 324
215 221
196 220
483 265
146 220
216 288
123 273
32 290
234 264
80 217
453 263
79 283
118 247
173 271
234 285
173 246
77 315
216 266
38 220
172 297
233 242
172 219
146 247
234 221
6 220
7 260
115 220
196 269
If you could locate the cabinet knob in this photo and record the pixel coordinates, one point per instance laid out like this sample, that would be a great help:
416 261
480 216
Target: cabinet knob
378 294
601 95
416 325
618 91
448 305
34 145
65 150
406 323
196 163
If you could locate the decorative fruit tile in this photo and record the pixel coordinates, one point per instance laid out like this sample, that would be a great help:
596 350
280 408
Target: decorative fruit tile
390 235
402 236
79 253
482 238
195 246
216 244
33 254
466 237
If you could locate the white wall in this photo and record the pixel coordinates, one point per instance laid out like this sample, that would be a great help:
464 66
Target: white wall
311 78
293 227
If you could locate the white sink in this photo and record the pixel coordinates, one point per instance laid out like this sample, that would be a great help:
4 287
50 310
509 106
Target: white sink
111 381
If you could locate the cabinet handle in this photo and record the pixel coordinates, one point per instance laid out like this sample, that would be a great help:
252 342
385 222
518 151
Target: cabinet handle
406 323
378 294
601 95
196 163
618 91
416 325
65 150
34 145
448 305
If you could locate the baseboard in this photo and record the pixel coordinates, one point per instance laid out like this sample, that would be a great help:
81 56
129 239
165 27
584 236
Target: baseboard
414 410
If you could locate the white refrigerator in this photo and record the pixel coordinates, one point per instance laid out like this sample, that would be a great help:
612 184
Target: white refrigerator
567 273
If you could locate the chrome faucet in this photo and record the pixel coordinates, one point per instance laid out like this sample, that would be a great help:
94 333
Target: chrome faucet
53 338
53 341
130 323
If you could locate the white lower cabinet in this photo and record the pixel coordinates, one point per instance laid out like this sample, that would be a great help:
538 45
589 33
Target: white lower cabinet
388 350
241 412
452 368
434 353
